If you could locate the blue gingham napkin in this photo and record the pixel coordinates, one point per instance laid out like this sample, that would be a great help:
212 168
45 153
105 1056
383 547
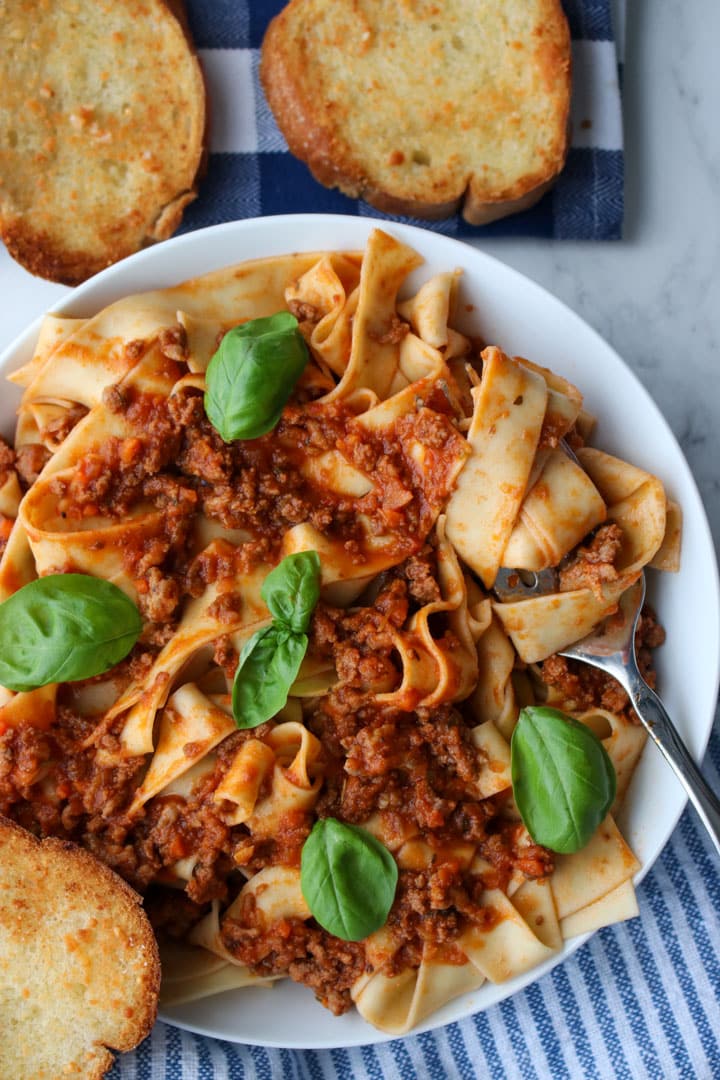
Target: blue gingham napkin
639 1001
252 173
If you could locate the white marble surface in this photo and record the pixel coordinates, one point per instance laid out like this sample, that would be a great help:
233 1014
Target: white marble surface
655 296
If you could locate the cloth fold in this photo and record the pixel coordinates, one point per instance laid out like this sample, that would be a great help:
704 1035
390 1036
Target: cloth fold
251 172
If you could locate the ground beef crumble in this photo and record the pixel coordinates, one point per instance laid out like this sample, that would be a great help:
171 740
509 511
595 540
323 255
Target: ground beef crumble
584 687
414 767
7 459
593 563
299 949
30 460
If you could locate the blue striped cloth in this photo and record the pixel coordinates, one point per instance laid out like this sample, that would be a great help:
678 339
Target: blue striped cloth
251 172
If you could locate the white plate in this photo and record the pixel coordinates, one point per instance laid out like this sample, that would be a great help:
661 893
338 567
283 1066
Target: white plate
518 315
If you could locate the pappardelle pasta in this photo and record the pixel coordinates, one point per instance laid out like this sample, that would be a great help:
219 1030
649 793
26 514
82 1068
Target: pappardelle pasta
301 754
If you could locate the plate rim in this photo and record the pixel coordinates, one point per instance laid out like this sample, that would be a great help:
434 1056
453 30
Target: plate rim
415 236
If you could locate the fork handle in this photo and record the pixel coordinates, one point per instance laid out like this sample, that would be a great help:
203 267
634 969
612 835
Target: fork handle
654 716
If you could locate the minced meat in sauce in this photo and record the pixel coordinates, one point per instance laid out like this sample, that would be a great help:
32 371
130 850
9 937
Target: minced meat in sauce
415 768
583 686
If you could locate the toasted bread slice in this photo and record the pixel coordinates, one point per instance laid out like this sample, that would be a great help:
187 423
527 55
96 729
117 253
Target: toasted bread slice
102 131
79 967
419 107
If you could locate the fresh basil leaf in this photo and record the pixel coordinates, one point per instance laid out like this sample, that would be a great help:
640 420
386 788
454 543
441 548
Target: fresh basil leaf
62 628
252 375
271 659
268 667
563 781
348 879
292 589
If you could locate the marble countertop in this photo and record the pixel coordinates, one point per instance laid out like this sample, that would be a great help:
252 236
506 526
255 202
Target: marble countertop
655 296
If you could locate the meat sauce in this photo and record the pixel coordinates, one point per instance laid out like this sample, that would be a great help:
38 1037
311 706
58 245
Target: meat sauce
415 768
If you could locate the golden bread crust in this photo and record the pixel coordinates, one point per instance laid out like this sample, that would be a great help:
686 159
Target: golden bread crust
79 963
421 108
103 131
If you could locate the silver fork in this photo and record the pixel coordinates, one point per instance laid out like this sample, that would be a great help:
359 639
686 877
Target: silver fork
611 648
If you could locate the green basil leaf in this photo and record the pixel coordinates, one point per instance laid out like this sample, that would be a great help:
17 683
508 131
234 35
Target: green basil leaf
62 628
348 879
292 589
563 780
252 375
268 667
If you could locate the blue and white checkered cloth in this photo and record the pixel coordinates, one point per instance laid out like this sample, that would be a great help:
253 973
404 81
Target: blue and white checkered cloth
251 172
639 1001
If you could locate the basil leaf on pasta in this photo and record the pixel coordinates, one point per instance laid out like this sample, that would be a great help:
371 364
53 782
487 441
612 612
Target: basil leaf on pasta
268 667
271 659
348 879
292 589
252 375
563 780
62 628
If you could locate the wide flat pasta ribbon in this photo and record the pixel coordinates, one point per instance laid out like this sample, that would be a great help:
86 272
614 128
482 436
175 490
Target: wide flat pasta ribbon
667 556
206 935
437 668
636 502
54 330
503 436
587 890
420 364
398 1003
624 742
432 307
375 343
564 402
96 544
417 854
10 495
507 946
546 624
276 894
493 774
535 902
31 708
518 936
240 786
209 305
331 471
493 698
615 906
287 760
190 972
94 354
329 289
559 510
199 626
190 726
17 565
591 873
342 579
